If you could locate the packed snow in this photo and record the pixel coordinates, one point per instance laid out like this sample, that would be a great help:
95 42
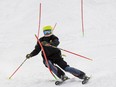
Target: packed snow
19 23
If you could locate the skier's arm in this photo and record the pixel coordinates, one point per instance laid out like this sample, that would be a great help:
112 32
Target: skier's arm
34 52
55 42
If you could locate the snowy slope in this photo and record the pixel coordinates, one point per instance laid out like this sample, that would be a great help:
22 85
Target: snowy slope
19 23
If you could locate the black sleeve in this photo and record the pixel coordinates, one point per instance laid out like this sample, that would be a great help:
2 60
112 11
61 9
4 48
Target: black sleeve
54 41
36 50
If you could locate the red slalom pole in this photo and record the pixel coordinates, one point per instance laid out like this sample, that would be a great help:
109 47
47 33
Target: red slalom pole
37 37
17 69
73 53
82 17
45 56
39 20
76 54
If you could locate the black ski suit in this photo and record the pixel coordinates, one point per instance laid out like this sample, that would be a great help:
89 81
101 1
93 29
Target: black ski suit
54 55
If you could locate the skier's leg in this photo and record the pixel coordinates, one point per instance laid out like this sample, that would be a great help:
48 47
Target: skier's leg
78 73
62 75
56 70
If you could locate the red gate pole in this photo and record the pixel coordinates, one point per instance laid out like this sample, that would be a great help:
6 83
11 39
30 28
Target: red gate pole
82 17
37 37
39 20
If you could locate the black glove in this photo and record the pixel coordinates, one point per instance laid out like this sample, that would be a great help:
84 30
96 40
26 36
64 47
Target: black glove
28 56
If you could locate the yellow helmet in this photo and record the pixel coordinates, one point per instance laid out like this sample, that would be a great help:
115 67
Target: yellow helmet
47 28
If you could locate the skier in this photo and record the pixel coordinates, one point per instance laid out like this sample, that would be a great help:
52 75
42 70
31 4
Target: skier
50 42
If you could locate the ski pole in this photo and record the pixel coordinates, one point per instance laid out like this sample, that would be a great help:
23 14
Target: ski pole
54 27
17 69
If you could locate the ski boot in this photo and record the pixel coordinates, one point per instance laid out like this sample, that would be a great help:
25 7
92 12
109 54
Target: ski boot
64 77
85 79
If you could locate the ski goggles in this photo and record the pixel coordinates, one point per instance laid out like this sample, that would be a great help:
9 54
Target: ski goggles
47 32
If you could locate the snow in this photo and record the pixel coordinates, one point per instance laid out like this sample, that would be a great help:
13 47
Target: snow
19 23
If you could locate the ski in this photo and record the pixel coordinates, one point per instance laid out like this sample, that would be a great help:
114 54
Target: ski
85 81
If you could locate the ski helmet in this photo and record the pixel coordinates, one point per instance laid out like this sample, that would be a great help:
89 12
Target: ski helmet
47 30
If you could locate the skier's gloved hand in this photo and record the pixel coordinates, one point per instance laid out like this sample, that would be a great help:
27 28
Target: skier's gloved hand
28 56
44 43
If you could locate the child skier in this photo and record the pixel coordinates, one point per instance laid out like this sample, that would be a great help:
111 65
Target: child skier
54 56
